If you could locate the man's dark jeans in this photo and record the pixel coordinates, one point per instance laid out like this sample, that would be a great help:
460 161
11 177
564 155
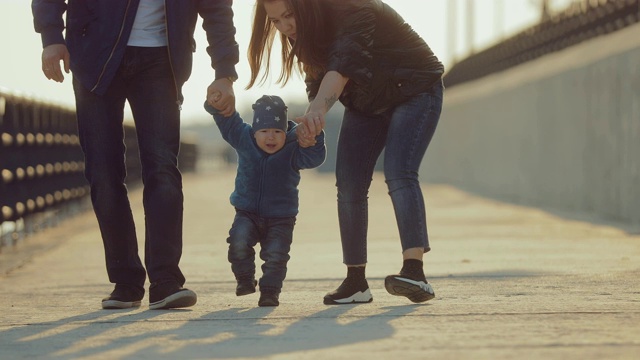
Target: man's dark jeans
274 235
404 133
145 80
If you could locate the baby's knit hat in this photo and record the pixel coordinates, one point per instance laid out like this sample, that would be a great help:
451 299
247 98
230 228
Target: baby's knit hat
270 112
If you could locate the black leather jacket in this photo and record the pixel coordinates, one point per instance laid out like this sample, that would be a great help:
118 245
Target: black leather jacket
386 61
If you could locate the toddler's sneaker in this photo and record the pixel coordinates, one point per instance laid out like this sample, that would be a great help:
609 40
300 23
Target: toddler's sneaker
246 286
268 298
415 289
351 291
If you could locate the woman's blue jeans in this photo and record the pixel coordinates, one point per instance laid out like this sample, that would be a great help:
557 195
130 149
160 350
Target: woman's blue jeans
145 80
404 133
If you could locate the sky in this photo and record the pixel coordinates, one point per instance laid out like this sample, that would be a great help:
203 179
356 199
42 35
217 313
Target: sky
450 40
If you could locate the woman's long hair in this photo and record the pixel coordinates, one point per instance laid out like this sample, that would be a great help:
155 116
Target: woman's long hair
308 54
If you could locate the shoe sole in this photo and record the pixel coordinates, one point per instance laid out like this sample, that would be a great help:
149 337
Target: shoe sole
242 293
361 297
116 304
181 299
416 291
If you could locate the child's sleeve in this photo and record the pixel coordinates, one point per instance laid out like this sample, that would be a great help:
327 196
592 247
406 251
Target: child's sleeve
233 128
313 156
291 132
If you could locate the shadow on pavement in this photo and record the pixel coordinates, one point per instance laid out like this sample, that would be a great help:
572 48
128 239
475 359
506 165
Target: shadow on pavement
229 333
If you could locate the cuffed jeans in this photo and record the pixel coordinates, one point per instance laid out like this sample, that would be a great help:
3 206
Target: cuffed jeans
145 80
404 133
275 236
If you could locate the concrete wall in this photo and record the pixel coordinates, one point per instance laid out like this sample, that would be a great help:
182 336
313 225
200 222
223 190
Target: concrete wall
562 131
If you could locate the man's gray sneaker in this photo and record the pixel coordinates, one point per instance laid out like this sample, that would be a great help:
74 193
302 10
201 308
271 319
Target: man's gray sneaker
123 297
170 296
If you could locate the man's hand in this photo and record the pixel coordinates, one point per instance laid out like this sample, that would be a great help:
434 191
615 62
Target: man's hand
51 57
220 95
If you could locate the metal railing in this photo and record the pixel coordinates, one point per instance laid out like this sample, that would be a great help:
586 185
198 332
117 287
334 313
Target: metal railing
579 22
40 158
42 164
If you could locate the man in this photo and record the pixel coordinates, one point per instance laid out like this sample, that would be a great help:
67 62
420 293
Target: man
138 51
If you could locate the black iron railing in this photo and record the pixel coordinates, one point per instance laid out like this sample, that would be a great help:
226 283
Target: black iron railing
581 21
42 164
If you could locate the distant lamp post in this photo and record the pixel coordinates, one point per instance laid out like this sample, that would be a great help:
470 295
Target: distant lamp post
452 35
545 12
499 19
470 27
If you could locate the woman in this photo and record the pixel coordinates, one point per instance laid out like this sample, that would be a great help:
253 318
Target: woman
362 53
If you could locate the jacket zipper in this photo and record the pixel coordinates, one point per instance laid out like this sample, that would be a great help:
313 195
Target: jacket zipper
173 73
263 165
104 68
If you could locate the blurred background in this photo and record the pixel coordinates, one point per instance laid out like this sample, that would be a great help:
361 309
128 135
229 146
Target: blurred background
542 106
453 29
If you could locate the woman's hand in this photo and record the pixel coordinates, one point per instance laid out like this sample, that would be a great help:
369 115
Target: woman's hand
310 125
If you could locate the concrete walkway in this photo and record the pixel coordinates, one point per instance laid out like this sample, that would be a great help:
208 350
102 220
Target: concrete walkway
511 283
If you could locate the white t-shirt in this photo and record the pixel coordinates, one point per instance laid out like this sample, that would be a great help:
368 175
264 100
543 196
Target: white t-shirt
149 27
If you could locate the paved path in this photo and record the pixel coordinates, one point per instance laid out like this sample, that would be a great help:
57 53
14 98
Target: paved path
511 283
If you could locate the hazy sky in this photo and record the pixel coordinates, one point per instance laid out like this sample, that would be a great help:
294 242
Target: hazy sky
21 47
